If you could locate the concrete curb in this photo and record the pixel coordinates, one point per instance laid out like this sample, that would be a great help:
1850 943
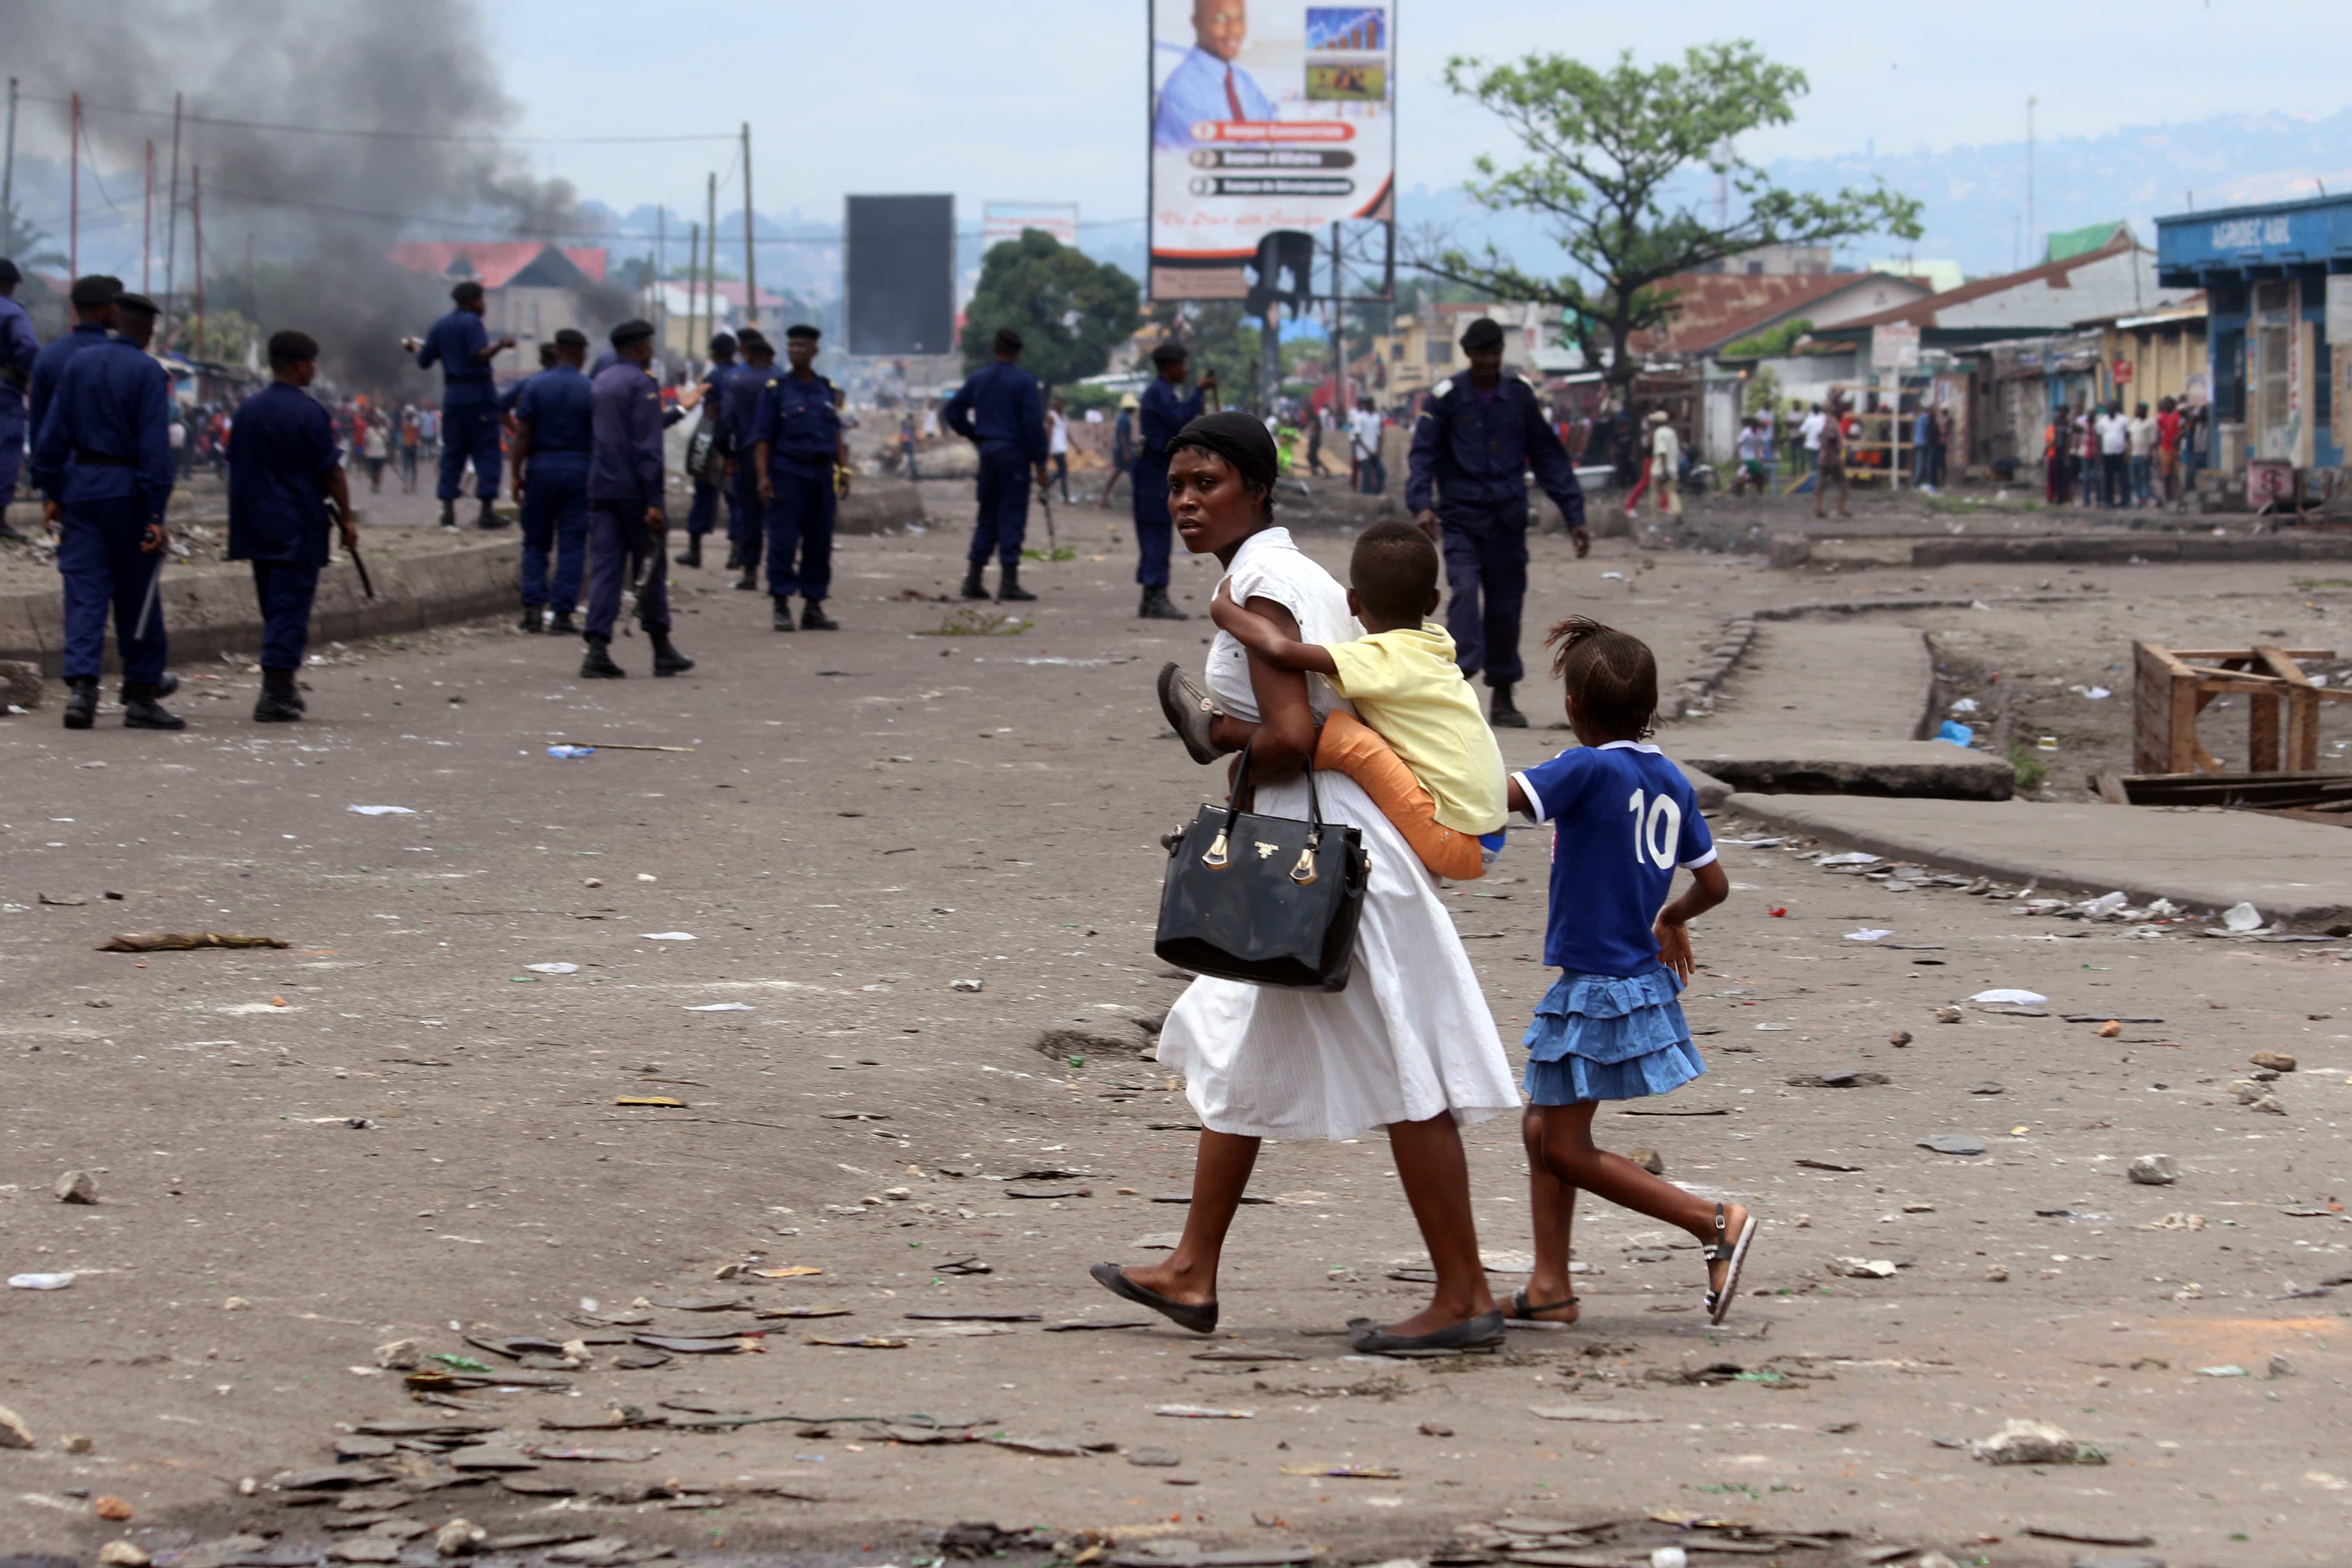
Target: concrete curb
2282 867
1788 551
1699 686
210 612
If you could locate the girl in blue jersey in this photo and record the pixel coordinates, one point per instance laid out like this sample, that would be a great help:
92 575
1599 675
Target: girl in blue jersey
1624 817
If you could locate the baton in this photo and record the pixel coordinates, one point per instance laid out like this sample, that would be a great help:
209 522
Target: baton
154 589
367 585
1046 500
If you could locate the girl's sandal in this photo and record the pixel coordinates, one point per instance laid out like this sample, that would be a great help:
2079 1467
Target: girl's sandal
1523 1310
1724 1250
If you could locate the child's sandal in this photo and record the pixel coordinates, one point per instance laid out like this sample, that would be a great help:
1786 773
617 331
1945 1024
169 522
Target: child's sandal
1524 1311
1722 1250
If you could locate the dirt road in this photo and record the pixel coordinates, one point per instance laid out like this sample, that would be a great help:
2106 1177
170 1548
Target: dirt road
397 1128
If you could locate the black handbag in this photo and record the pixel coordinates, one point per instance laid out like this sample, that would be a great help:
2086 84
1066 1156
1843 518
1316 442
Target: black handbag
1267 901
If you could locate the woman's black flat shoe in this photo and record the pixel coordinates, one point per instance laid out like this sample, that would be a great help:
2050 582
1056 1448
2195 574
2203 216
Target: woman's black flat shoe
1201 1318
1190 711
1480 1333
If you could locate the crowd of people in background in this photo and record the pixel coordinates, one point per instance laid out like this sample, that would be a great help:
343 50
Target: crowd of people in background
2102 456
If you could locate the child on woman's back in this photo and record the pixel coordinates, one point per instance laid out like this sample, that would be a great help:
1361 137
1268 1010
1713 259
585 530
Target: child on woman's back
1624 817
1418 745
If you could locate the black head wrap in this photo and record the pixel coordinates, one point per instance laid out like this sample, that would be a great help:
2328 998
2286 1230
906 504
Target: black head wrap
1239 439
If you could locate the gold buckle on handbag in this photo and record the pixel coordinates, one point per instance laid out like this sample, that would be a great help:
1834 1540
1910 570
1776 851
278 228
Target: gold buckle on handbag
1216 859
1303 872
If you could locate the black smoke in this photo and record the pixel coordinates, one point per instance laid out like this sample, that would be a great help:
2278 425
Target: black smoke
321 211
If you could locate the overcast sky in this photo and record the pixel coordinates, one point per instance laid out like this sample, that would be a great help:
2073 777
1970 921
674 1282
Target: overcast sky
1042 100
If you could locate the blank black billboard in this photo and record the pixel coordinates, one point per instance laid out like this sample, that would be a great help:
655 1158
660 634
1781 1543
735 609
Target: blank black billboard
901 275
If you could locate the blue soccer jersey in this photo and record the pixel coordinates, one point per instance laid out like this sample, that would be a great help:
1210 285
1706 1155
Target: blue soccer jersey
1622 818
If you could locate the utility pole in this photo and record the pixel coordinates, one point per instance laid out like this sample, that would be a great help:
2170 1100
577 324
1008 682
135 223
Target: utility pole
750 263
1339 335
661 292
710 269
172 224
73 222
197 212
8 168
2031 234
693 256
147 220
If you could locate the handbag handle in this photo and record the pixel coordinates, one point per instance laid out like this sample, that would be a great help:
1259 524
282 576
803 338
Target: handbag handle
1218 854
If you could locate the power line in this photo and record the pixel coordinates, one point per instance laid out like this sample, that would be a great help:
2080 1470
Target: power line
489 137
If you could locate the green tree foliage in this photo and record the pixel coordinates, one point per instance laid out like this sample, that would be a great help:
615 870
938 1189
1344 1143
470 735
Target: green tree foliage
220 337
1763 394
1770 343
1605 149
1070 312
21 241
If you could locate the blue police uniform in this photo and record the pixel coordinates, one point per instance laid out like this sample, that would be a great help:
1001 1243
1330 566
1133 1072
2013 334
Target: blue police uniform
512 396
1001 409
1164 411
705 510
802 425
18 350
556 404
1476 450
281 446
738 405
48 367
624 479
469 402
103 453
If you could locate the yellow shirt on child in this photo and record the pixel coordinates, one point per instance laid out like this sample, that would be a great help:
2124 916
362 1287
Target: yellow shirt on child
1406 686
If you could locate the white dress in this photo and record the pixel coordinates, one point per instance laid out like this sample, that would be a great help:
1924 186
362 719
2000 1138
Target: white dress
1412 1035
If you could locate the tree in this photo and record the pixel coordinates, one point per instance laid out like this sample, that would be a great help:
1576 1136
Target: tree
21 241
1071 312
1770 343
1607 147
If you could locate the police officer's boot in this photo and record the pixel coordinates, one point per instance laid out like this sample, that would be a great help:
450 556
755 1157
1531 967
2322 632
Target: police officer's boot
782 619
973 588
82 703
693 555
1506 714
534 619
1158 606
749 582
1008 584
814 619
491 518
449 515
141 711
564 624
667 660
277 704
598 665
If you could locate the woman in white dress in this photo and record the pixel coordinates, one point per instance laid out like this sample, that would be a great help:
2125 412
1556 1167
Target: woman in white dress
1409 1044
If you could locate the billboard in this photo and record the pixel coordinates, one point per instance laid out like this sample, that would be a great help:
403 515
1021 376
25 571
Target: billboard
900 272
1001 221
1267 117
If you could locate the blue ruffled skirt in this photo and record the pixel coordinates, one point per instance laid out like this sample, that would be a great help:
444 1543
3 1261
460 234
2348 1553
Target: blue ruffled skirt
1603 1036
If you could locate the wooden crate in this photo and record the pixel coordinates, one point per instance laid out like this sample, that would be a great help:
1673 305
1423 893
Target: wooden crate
2171 686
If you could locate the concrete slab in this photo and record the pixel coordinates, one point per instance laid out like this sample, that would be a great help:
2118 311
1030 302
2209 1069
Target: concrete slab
1800 764
1803 682
2295 873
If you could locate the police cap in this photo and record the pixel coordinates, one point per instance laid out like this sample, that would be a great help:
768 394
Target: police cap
95 290
570 338
753 338
1008 342
631 331
465 293
137 304
8 273
802 330
290 347
1481 333
723 344
1171 353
